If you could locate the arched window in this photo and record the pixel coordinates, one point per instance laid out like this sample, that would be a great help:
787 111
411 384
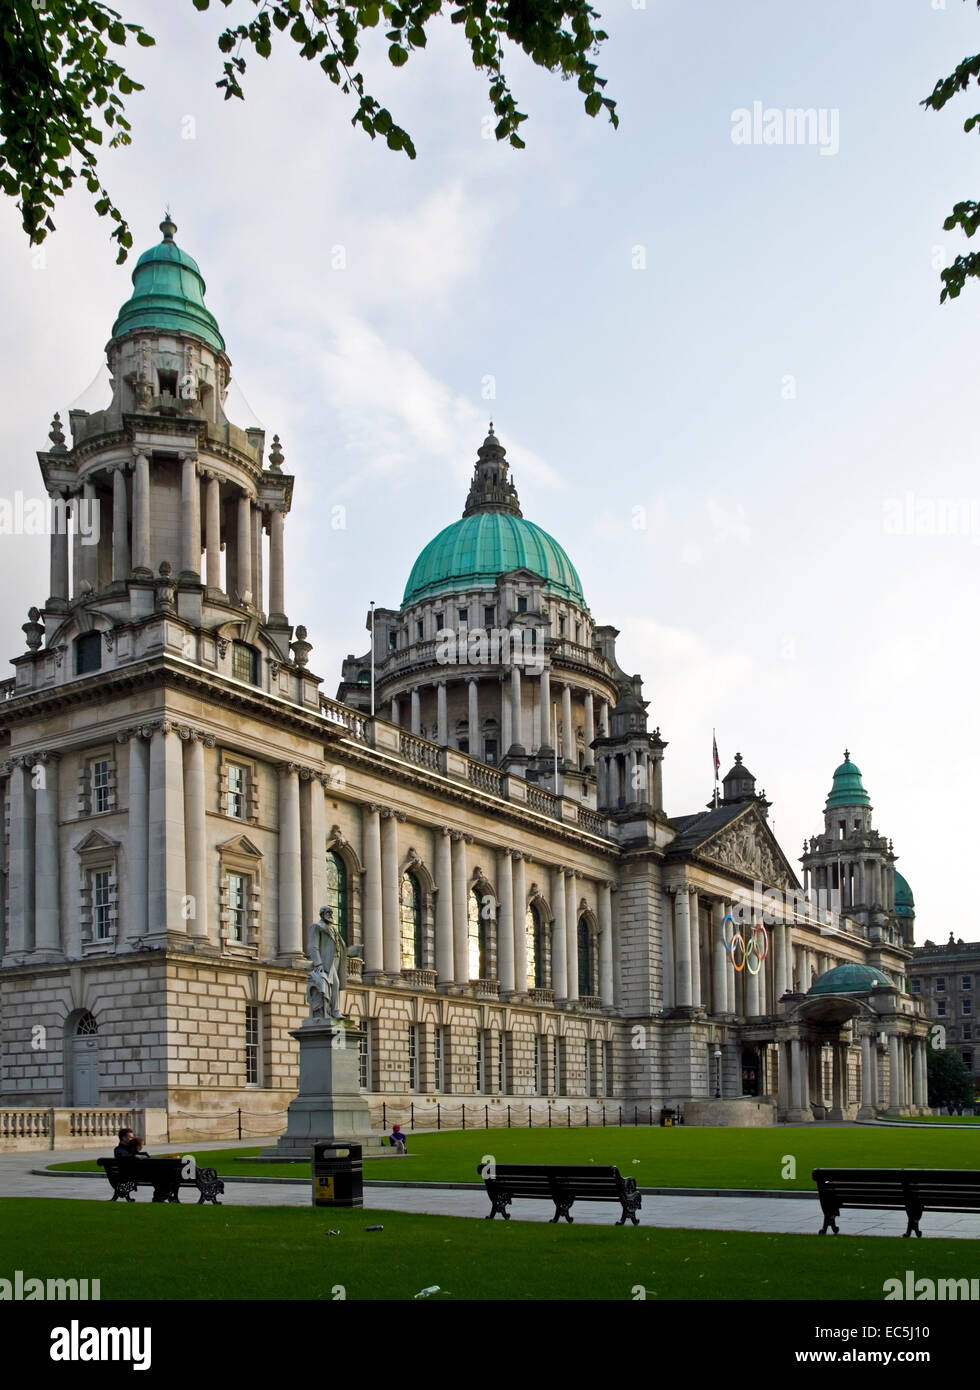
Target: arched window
480 915
411 922
337 895
534 929
585 958
86 1026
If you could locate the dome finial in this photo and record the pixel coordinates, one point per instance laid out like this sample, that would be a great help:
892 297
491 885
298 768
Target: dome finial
847 755
168 226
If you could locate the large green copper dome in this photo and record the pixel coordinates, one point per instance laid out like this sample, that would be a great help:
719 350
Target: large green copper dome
851 978
475 551
848 789
168 294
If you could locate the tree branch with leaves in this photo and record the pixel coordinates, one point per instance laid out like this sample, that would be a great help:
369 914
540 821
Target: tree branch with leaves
62 86
965 215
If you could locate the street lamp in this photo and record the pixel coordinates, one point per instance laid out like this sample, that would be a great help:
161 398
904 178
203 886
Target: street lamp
717 1073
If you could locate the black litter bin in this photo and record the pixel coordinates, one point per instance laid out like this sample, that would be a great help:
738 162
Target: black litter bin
668 1117
337 1175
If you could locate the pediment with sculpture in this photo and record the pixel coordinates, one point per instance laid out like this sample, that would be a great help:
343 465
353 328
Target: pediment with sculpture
747 846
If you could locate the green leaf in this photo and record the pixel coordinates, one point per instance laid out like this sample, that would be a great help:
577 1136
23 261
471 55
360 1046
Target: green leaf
144 39
371 15
399 57
593 104
395 138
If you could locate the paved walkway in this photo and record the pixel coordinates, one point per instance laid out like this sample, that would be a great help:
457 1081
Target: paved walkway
788 1215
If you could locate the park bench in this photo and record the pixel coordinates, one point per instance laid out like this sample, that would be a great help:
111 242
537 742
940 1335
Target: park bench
912 1190
562 1185
164 1175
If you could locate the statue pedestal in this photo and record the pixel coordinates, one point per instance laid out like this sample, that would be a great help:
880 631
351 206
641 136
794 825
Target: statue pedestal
330 1104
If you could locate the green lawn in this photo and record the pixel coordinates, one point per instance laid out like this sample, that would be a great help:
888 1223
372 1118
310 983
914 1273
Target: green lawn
144 1251
680 1157
942 1120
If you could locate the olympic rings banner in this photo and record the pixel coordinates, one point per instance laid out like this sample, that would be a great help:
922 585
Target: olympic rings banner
742 952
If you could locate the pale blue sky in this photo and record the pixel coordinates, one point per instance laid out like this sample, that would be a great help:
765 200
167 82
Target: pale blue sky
765 596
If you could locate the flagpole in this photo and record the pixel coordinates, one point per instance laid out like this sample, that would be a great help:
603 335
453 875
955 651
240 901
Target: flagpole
372 658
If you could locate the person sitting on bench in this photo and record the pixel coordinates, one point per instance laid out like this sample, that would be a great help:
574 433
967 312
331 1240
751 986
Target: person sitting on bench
123 1149
398 1141
136 1149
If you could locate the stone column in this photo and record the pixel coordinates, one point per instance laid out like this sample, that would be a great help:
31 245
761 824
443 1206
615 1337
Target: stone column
473 719
138 839
390 897
20 886
589 728
505 923
371 841
520 925
461 902
195 837
796 1079
258 581
212 532
682 947
394 712
751 981
836 1084
919 1075
668 971
695 916
141 513
730 978
605 946
568 733
243 550
89 566
517 712
658 783
604 718
866 1111
190 516
315 851
290 863
277 583
120 526
444 908
166 831
47 856
632 790
59 548
545 696
416 713
559 938
719 960
442 722
894 1075
782 1079
571 933
506 738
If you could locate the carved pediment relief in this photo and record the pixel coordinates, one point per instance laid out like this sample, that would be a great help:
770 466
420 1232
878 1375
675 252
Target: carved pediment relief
240 844
747 847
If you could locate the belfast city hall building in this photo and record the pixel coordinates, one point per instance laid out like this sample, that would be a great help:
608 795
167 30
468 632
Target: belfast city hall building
484 805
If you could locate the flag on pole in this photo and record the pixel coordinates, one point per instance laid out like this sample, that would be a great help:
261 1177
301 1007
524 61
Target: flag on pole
714 753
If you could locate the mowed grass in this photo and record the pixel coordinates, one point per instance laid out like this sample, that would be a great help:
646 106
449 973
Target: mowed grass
166 1252
942 1120
678 1157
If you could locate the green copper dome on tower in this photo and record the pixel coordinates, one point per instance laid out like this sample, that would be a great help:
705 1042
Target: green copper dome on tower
904 901
851 978
491 539
848 789
168 294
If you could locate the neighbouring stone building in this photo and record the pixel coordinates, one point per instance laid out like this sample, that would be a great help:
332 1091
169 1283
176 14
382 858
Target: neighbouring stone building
483 806
946 980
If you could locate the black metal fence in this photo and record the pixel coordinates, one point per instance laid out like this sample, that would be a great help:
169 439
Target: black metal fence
481 1115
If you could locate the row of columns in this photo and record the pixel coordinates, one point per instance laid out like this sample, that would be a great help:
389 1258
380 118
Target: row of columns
719 987
453 888
630 779
863 882
802 1082
517 725
132 534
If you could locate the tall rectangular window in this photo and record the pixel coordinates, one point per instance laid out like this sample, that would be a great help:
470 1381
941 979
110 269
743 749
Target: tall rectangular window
588 1067
235 797
238 889
606 1067
556 1065
244 663
438 1060
488 614
501 1077
940 984
521 603
539 1065
253 1045
966 981
100 786
413 1057
100 904
941 1008
364 1059
966 1007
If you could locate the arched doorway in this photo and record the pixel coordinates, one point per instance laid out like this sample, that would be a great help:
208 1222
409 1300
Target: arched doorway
83 1061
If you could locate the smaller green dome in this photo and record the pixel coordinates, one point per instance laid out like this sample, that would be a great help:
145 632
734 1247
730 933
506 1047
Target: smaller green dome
848 789
904 901
851 978
168 294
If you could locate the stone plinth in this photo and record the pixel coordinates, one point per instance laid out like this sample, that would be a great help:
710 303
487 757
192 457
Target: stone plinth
744 1112
330 1104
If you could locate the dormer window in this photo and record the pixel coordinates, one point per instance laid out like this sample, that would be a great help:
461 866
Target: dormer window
463 615
561 626
88 653
244 663
168 382
439 617
522 603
